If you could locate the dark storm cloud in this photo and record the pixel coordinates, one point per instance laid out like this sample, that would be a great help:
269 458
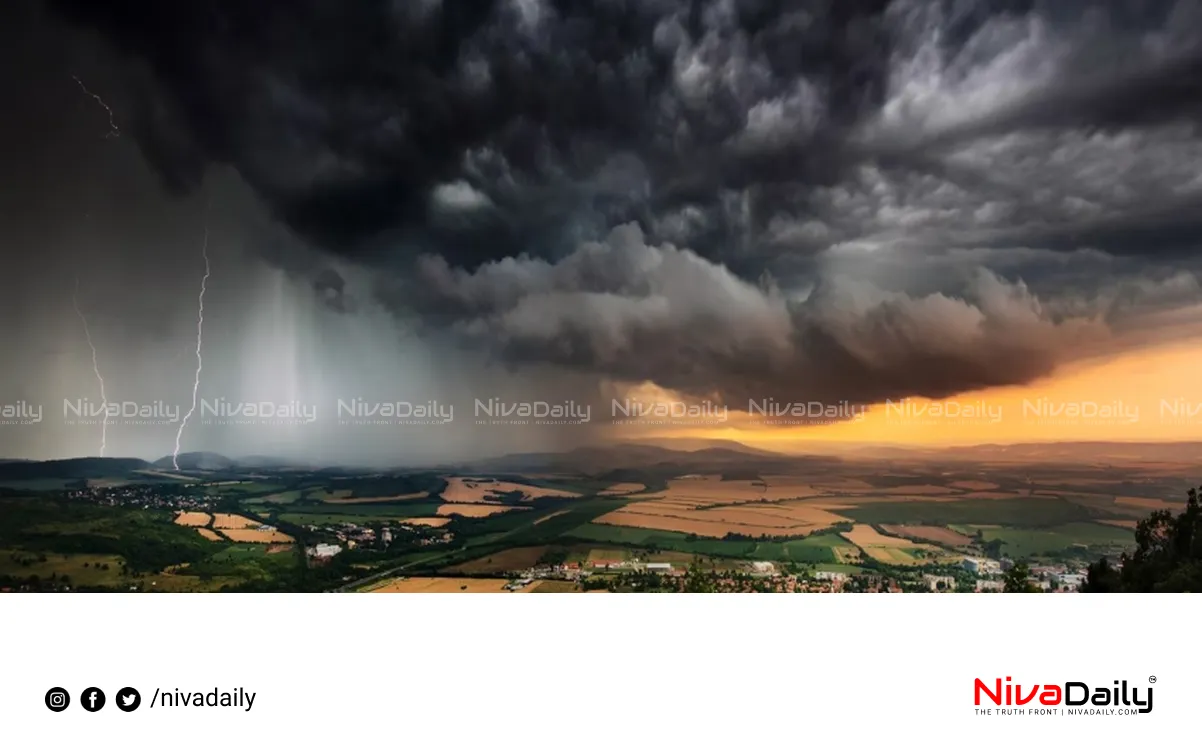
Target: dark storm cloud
636 312
825 199
348 116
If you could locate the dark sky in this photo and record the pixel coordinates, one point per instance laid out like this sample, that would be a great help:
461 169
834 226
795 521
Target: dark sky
539 199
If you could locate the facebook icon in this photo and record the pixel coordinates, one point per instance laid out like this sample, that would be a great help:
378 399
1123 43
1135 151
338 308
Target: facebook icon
92 699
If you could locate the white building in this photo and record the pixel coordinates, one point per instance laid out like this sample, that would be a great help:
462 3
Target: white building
324 550
981 566
933 582
1071 580
834 577
763 567
995 586
659 567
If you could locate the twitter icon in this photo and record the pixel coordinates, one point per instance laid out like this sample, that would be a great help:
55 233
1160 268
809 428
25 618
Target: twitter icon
128 699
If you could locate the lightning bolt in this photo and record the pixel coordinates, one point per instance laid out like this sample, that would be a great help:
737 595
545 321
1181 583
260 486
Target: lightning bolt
113 131
95 367
200 322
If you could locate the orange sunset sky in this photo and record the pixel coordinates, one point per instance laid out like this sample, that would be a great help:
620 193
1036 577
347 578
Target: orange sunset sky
1147 395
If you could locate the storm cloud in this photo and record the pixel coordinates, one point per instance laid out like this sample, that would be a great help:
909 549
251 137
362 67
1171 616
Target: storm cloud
827 200
640 312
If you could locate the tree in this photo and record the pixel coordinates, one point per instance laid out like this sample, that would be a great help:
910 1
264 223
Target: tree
1018 579
1101 578
1167 556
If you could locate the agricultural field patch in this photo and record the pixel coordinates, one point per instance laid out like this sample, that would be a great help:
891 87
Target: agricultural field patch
1150 504
447 585
1021 543
938 534
657 540
514 559
472 510
623 488
489 490
193 518
256 536
1015 511
79 570
863 535
232 521
434 522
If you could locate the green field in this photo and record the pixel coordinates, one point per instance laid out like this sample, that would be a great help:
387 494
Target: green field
88 571
814 549
49 537
305 512
831 567
655 539
817 549
287 496
146 539
244 562
1024 543
81 569
40 484
245 488
324 519
1019 512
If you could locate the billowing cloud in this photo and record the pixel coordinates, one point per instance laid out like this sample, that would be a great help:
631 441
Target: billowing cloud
827 200
640 312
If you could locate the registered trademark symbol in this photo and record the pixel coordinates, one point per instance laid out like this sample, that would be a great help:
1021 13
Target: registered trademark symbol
1151 679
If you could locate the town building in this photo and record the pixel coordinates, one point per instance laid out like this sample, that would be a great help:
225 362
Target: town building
324 551
939 582
981 566
832 576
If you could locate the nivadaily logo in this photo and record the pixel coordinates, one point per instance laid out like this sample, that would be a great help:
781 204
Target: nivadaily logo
1069 698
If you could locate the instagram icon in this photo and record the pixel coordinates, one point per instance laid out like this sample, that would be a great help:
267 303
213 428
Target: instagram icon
57 699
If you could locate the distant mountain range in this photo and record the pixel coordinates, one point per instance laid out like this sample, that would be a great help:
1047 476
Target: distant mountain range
197 460
101 467
702 456
698 455
1080 451
700 444
207 461
71 469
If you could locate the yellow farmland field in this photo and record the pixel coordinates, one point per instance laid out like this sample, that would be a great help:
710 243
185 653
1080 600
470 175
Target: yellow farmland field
232 521
863 535
431 521
193 518
467 490
256 536
208 534
471 510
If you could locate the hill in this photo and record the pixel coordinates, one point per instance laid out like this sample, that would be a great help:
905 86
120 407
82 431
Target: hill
71 469
602 459
197 460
